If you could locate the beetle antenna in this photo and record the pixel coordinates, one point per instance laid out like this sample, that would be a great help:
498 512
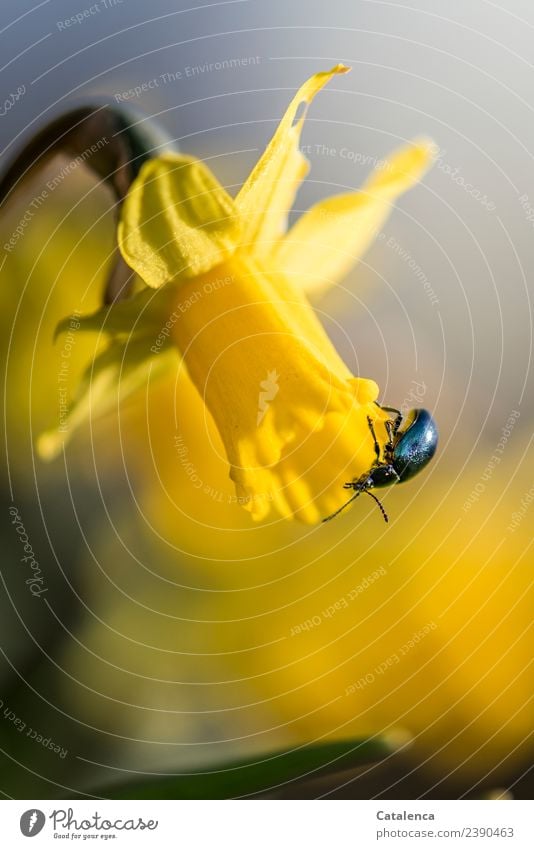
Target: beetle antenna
346 504
384 514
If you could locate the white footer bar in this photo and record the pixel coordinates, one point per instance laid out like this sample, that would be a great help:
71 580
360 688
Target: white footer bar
266 824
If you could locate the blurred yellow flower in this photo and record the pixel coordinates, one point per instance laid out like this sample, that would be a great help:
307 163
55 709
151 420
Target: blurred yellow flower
229 289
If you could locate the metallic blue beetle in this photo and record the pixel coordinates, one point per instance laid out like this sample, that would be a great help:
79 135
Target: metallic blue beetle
411 445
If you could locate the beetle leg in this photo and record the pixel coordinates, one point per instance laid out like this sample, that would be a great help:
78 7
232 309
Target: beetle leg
398 418
390 429
375 440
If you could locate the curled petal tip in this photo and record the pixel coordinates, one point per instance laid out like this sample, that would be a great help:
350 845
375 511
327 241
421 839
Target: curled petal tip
340 68
427 144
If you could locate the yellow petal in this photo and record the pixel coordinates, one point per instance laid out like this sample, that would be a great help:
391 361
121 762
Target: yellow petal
328 239
118 372
268 194
144 314
139 332
177 220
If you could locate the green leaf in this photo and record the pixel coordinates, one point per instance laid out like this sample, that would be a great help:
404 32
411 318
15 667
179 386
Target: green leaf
262 773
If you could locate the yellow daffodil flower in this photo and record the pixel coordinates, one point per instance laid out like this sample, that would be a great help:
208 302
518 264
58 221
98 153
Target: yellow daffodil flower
228 288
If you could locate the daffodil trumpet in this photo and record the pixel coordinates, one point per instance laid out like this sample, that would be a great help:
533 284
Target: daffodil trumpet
227 289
